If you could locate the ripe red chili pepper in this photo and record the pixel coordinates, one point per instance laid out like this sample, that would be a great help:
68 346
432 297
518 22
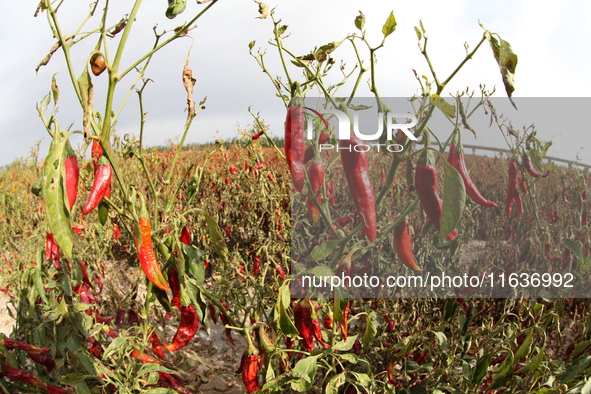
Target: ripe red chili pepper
295 144
458 162
318 333
529 167
18 375
328 321
428 191
256 266
523 185
548 253
344 321
513 195
146 255
156 345
187 329
96 152
146 358
356 167
403 246
72 175
303 322
186 235
52 251
116 232
258 135
101 185
316 177
309 154
250 368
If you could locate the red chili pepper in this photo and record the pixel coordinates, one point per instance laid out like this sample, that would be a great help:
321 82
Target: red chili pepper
52 252
356 167
513 195
523 185
295 145
250 368
564 196
256 266
187 329
146 358
303 322
72 175
428 191
156 345
529 167
18 375
258 135
100 187
146 255
328 321
458 162
186 235
552 258
175 286
174 381
96 152
280 273
309 154
344 322
318 333
116 232
316 177
390 372
403 246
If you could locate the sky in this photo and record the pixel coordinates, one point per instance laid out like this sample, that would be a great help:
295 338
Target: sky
550 38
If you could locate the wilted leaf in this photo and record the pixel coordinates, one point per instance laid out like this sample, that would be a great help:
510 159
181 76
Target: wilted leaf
448 109
360 21
507 61
87 99
390 25
263 10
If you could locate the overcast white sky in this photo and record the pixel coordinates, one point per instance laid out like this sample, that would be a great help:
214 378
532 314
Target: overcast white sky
551 39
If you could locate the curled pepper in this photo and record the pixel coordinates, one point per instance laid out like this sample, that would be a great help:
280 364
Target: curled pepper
403 246
356 167
303 322
250 368
295 145
457 160
428 191
187 329
146 255
101 185
531 170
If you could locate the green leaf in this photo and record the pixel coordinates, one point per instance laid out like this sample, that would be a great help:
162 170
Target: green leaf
442 339
196 264
370 332
533 364
503 373
481 368
346 345
332 387
360 21
390 25
217 238
161 390
581 346
419 34
54 195
350 357
322 251
454 199
285 323
322 271
115 345
448 109
574 246
525 348
577 366
524 252
175 7
506 59
305 371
